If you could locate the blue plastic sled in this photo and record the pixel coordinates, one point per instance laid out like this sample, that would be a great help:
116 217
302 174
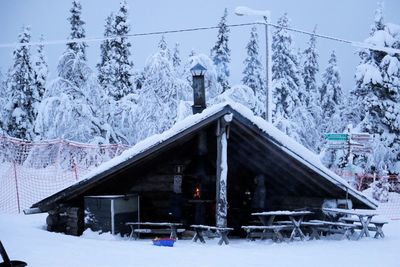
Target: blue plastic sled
164 242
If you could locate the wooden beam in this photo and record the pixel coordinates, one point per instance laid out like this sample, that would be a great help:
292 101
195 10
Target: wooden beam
222 133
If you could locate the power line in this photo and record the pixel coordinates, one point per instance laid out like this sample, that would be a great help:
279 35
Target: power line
309 33
353 43
97 39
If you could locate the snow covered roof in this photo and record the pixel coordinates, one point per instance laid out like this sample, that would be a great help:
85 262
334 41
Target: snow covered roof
190 124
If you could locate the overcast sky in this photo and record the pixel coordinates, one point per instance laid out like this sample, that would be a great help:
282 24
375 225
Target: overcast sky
348 19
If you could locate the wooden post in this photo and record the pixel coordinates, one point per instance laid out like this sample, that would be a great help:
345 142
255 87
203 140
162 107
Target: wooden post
222 171
75 169
16 185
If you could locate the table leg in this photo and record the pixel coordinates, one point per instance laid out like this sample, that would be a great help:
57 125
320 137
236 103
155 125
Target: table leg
264 234
266 221
174 234
348 232
278 235
199 236
379 231
224 237
271 220
314 233
133 234
364 223
296 230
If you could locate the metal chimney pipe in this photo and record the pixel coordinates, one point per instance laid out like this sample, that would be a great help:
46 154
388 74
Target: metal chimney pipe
199 94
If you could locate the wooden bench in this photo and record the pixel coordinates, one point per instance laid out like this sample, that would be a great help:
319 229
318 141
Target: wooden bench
377 225
262 231
222 232
313 227
345 229
155 228
156 231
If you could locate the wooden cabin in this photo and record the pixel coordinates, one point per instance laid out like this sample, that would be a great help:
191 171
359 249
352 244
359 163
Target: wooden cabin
214 167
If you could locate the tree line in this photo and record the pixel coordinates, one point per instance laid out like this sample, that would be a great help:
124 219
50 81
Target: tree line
116 103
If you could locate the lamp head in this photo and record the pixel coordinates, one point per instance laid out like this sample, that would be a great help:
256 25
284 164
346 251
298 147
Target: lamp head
198 70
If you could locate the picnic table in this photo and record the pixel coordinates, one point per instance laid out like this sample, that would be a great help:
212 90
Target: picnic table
364 217
222 232
296 218
161 228
330 227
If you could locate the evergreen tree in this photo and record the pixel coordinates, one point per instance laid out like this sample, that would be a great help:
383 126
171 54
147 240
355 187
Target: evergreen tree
122 116
378 92
309 72
73 67
1 82
285 79
3 103
176 58
252 73
290 115
75 113
72 64
123 73
330 92
163 48
105 67
77 30
74 105
41 71
335 112
160 95
381 187
21 88
221 54
309 94
5 96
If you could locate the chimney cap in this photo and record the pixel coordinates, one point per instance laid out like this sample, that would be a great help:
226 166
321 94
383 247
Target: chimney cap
198 70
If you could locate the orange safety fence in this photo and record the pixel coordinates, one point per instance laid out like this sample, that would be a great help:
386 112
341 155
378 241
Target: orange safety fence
362 181
30 171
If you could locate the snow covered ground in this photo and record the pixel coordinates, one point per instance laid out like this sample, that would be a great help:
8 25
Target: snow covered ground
25 239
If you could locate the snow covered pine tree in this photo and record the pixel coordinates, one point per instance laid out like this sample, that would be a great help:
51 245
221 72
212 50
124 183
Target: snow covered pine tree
330 94
334 117
289 114
221 54
252 73
72 106
160 94
122 67
105 66
176 58
378 92
3 103
22 91
41 73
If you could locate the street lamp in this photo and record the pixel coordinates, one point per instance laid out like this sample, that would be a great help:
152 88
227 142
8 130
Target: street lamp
266 14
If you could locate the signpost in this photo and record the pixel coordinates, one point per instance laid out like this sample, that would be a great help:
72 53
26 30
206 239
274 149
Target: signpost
353 143
336 136
364 137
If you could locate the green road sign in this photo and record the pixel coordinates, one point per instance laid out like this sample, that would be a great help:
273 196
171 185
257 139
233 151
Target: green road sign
336 137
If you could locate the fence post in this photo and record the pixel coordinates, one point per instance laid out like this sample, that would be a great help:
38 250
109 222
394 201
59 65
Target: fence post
16 185
75 169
